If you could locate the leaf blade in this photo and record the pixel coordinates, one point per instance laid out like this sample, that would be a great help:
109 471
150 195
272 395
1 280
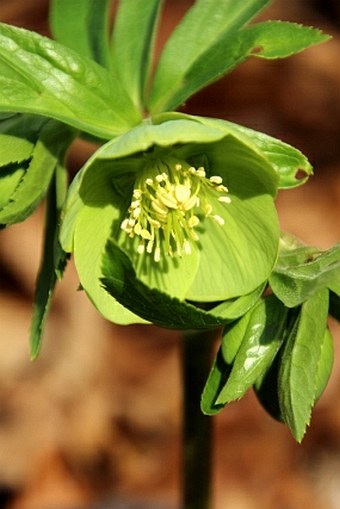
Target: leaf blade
268 40
82 26
35 182
261 341
299 364
186 43
51 260
132 44
43 77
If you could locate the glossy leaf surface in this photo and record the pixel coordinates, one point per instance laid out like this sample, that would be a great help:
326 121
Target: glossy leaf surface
261 341
38 75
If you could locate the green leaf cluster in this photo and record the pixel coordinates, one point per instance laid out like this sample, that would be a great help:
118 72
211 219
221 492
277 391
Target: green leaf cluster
99 79
282 347
102 81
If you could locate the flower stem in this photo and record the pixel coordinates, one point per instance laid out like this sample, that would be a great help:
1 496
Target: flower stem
197 428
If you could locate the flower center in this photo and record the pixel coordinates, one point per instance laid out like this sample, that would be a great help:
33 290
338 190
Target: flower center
169 200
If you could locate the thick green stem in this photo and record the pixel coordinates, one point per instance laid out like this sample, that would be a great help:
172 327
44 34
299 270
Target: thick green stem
197 428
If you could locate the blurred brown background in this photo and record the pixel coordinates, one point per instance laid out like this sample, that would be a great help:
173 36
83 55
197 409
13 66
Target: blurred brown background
97 416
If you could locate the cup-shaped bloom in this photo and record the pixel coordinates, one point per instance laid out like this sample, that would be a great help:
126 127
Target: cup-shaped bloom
189 202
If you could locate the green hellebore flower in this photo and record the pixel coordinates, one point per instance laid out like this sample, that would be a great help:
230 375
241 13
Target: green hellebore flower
187 202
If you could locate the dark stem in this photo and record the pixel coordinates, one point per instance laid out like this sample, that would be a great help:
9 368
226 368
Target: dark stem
197 428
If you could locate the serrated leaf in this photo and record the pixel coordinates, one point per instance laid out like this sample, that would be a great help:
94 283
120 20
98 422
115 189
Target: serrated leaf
40 76
51 262
295 279
299 364
82 25
132 44
261 341
270 39
34 183
281 39
17 137
120 282
204 24
10 178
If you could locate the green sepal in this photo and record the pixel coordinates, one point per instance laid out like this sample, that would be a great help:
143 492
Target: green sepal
291 166
101 194
121 283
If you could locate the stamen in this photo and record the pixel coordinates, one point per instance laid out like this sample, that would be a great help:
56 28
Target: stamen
224 199
170 200
216 179
219 220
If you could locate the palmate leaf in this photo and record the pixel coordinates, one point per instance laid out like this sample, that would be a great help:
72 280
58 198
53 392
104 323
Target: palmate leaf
40 76
203 25
132 44
83 25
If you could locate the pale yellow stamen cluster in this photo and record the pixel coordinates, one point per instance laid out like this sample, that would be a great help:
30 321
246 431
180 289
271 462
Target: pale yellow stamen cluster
167 205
